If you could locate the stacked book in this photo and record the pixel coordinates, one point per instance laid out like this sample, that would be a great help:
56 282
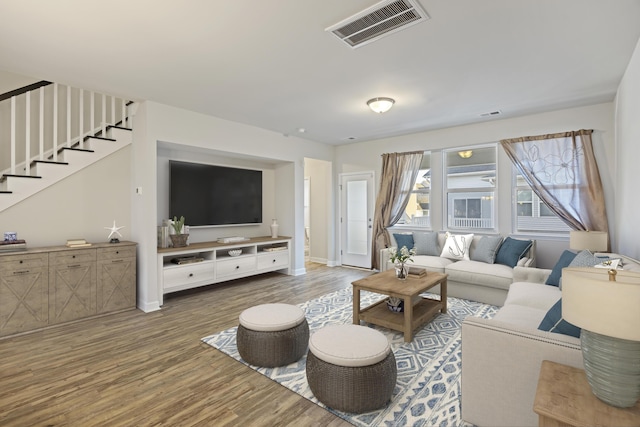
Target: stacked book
417 271
13 245
77 243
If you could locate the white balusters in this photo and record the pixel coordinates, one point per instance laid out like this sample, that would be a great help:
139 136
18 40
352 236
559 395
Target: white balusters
27 133
53 111
41 125
13 135
55 122
81 119
68 116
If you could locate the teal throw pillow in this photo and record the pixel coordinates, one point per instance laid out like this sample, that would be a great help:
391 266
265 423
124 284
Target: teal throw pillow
426 243
556 274
404 240
511 251
553 322
486 249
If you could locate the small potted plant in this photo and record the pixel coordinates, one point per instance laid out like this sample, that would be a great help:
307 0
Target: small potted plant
400 258
179 239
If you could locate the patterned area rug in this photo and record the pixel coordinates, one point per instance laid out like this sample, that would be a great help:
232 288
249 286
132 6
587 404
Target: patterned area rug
427 391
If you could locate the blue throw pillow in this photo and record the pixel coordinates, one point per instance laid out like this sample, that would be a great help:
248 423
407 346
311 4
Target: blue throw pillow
564 261
404 240
511 251
553 322
486 249
426 243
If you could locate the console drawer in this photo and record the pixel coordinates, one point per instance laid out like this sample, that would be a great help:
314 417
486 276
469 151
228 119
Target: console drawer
273 260
188 274
232 267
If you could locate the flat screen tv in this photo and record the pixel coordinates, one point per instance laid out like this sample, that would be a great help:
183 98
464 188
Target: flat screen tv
209 195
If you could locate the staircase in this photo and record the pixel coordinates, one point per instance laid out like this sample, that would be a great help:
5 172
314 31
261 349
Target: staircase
73 129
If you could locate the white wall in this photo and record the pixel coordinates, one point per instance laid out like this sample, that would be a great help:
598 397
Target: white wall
627 231
77 207
156 124
366 156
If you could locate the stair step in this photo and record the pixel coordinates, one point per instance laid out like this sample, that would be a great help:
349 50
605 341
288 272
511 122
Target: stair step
118 127
49 162
5 192
99 137
9 175
76 149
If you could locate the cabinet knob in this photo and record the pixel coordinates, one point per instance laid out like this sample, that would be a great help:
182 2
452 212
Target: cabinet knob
237 267
190 274
273 260
21 261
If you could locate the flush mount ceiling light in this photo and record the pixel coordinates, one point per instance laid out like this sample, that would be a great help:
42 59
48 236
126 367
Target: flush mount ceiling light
380 105
465 154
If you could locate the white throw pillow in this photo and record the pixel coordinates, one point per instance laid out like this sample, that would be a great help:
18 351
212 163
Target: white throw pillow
457 246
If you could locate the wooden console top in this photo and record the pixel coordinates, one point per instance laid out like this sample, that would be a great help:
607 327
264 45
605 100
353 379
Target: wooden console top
216 244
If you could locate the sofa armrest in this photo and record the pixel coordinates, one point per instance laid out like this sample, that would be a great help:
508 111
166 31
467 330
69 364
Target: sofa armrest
530 274
500 369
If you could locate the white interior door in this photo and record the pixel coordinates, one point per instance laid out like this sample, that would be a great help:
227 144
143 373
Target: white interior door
356 218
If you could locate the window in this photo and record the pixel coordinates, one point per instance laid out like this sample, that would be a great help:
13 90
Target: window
532 214
417 211
470 186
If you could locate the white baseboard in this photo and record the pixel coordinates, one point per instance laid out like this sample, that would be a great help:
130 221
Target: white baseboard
148 308
299 272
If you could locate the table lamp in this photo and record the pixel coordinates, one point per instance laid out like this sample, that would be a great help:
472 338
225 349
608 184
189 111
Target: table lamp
606 305
594 241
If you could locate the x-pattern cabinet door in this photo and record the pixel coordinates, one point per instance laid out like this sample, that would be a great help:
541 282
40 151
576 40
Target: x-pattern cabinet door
23 292
116 278
72 285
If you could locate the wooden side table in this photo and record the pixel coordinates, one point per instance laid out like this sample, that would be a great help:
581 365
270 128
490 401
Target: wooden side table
564 398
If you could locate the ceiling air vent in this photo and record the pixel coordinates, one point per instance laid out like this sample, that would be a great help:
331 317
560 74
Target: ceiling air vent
377 21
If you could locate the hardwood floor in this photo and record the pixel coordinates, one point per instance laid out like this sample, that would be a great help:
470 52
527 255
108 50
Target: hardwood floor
149 369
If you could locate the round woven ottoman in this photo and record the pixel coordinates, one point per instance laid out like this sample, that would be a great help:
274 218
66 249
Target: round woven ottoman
351 368
272 335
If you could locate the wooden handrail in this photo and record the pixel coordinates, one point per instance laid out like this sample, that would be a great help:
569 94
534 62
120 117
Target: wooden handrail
22 90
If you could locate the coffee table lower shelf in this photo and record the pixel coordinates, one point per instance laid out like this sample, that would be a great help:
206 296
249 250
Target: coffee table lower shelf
379 314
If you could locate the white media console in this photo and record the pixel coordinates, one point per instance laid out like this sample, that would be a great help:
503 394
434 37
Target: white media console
205 263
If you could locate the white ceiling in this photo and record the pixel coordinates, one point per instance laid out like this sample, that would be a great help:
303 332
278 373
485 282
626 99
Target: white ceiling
269 63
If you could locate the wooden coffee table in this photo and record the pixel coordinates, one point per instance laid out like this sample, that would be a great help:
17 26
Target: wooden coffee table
414 315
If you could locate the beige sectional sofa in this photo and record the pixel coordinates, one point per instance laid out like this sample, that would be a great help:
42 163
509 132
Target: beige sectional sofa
501 357
469 279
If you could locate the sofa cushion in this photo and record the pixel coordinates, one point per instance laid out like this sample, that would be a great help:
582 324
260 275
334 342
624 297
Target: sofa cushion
431 263
520 316
457 246
426 243
553 322
486 249
404 239
556 273
480 273
511 251
534 295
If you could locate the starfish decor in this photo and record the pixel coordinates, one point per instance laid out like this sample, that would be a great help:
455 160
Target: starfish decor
114 231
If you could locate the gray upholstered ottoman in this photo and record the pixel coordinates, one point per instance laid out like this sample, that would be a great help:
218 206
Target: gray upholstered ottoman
272 335
351 368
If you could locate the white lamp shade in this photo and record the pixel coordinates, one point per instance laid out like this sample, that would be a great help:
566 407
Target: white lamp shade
592 302
594 241
380 105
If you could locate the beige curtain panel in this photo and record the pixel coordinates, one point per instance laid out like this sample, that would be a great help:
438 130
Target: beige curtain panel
399 172
562 170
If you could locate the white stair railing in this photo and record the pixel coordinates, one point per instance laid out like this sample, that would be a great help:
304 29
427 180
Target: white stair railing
35 126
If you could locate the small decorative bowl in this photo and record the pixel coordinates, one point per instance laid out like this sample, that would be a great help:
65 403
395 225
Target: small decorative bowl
235 252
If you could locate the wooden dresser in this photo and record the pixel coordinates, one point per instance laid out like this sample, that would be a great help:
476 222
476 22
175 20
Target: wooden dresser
47 286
